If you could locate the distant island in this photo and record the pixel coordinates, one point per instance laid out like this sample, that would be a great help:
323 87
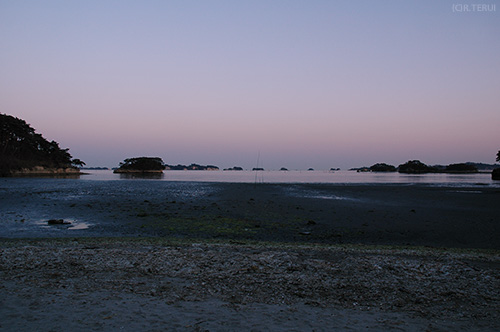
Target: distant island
192 167
418 167
381 167
235 168
141 165
24 152
156 165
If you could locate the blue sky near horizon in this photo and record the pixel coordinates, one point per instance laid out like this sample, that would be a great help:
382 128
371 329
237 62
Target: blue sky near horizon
304 83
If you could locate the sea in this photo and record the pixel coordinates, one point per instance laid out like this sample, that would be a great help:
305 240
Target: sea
334 177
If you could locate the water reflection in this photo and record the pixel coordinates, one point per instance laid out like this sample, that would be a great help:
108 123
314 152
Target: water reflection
339 177
50 176
152 176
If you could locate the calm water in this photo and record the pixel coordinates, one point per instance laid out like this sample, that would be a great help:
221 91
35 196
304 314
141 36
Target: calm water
341 177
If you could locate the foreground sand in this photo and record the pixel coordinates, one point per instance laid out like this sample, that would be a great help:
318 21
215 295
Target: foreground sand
154 285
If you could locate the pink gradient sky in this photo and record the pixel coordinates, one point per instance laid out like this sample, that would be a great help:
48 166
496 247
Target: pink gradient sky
306 83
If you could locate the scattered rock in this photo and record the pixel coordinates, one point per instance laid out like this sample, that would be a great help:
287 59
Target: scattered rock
58 222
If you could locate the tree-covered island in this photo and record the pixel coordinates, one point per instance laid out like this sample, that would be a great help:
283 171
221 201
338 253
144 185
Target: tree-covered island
141 165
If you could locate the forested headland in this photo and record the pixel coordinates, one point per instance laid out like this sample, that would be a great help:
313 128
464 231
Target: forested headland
23 151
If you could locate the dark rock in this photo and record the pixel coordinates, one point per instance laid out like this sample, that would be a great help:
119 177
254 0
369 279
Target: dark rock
283 169
495 174
58 222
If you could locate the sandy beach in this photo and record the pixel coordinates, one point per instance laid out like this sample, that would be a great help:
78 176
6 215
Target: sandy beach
224 256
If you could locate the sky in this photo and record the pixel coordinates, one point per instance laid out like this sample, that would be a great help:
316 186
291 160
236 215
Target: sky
294 84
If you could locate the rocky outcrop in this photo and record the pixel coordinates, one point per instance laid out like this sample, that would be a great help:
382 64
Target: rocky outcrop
495 174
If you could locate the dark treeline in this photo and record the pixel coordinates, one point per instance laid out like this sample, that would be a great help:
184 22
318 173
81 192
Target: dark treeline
21 147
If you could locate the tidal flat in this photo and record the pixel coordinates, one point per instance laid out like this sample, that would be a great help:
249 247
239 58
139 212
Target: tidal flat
190 256
398 214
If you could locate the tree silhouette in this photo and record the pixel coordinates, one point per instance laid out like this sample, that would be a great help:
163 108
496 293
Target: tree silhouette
22 147
498 156
142 164
77 163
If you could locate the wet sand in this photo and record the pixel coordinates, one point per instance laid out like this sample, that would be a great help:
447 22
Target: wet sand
300 213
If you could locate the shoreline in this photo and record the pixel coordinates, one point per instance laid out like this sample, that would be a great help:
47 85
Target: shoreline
45 172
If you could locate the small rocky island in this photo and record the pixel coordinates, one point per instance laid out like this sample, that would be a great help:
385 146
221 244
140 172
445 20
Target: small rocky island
382 167
234 168
192 167
141 165
23 152
418 167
